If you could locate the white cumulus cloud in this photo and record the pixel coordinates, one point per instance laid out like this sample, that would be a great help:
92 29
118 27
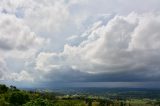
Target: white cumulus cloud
125 43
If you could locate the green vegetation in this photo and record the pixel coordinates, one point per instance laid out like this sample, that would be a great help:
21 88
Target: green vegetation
11 96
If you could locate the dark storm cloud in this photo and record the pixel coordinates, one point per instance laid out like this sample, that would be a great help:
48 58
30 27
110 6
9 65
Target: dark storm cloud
125 76
70 75
75 78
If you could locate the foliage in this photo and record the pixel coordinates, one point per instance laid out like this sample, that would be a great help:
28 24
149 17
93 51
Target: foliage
3 102
11 96
3 89
18 98
69 103
39 102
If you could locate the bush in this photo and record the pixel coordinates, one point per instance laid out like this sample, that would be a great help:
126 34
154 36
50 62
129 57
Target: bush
3 89
18 98
39 102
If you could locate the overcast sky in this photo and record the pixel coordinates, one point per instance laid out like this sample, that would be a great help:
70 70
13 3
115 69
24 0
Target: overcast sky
49 43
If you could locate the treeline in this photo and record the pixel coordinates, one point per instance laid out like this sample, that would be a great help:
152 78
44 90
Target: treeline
11 96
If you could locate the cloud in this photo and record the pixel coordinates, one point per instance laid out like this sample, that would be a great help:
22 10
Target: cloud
72 38
36 40
17 42
126 47
7 74
22 76
14 34
48 61
47 17
109 47
3 69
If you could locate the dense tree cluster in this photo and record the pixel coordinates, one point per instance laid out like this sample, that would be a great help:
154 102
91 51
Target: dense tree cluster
3 89
11 96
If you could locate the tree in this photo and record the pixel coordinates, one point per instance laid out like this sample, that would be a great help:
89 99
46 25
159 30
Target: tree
121 103
3 89
39 102
3 102
18 98
13 88
151 103
157 103
102 103
89 102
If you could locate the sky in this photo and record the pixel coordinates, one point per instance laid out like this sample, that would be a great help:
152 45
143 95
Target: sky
80 43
